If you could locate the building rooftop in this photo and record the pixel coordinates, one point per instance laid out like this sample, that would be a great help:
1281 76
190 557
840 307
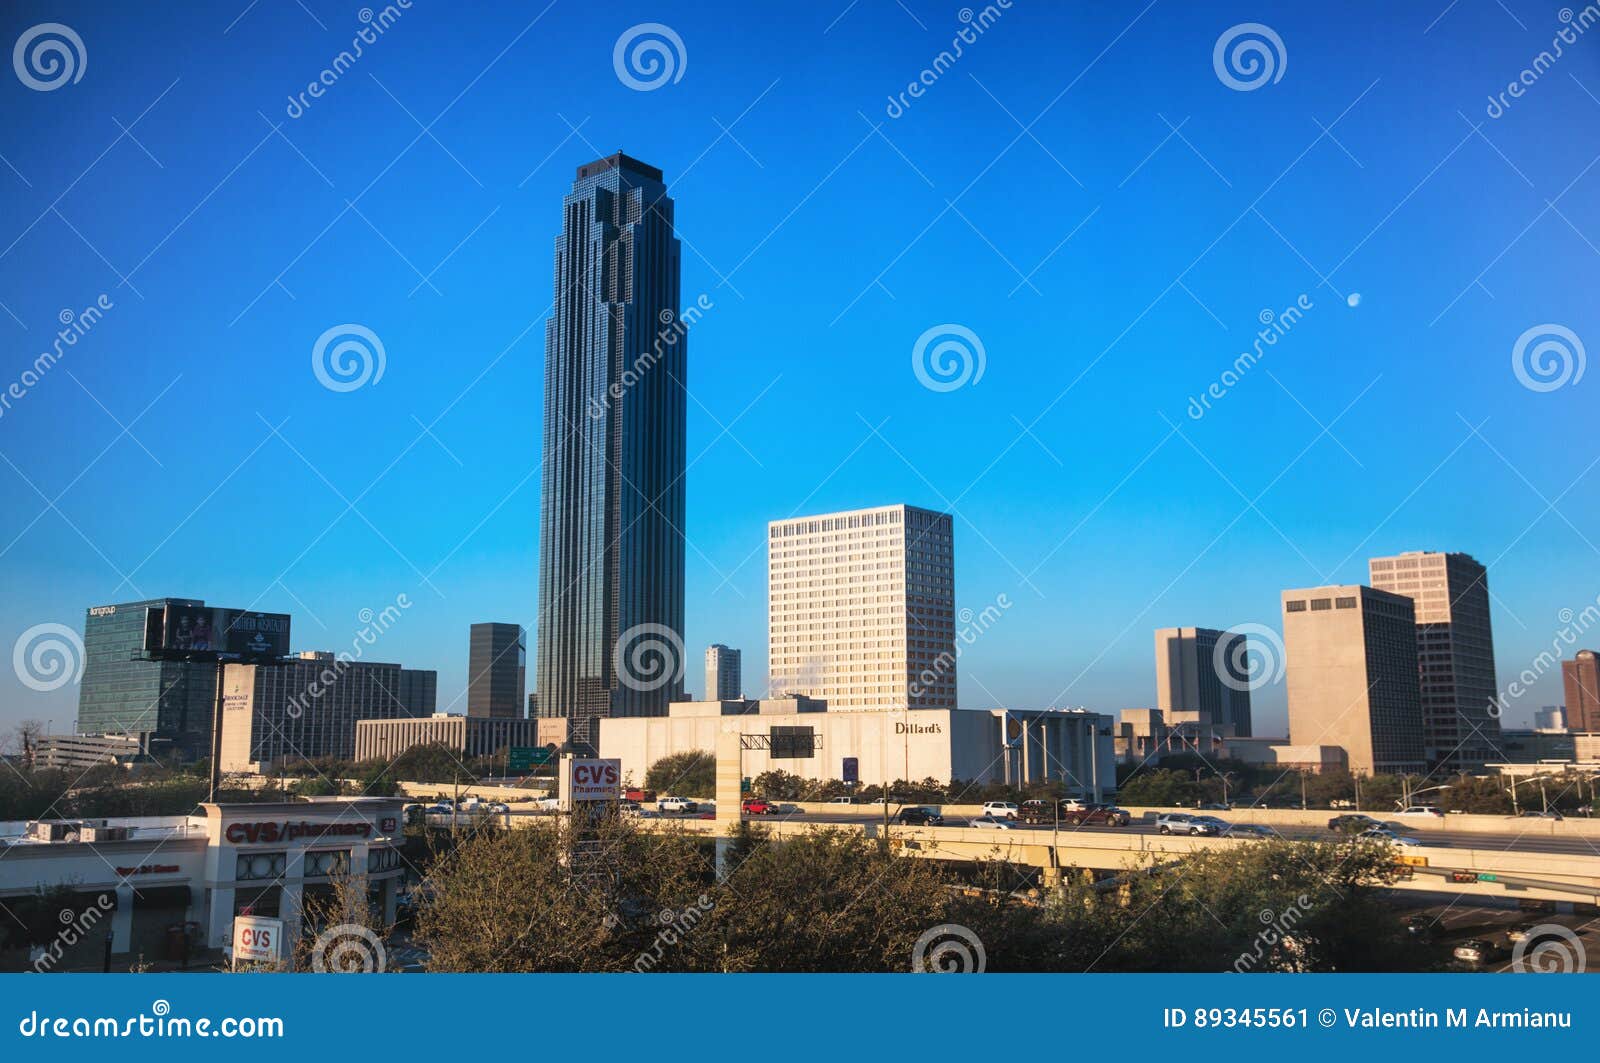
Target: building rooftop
618 161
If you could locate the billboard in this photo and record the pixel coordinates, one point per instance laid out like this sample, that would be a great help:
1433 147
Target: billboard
207 633
257 939
590 779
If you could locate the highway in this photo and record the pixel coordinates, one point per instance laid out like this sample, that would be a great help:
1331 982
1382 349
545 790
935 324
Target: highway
1511 840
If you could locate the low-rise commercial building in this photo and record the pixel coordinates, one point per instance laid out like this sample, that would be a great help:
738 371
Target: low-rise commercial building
876 746
79 752
468 736
162 885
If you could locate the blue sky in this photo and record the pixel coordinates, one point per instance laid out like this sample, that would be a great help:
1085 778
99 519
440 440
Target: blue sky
1082 190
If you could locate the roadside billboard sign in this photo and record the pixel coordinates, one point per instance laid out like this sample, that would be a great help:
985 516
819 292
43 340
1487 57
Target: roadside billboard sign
257 939
585 779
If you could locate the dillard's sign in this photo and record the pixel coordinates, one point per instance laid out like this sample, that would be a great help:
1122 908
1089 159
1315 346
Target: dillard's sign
268 833
918 729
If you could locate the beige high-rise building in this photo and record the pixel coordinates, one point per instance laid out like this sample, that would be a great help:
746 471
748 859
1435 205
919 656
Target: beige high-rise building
1352 676
1455 651
1200 670
861 608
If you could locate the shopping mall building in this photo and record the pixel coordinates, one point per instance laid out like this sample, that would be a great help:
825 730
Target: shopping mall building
803 737
164 888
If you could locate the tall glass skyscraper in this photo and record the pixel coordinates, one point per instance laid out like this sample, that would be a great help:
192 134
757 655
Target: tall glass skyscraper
612 510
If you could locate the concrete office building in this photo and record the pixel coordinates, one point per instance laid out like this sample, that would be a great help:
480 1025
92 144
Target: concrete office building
1455 652
1352 678
1201 670
1551 719
171 700
861 608
611 549
77 752
308 707
467 736
808 738
497 670
1581 677
724 678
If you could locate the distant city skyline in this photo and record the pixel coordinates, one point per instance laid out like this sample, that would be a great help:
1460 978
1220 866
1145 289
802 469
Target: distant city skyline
1105 248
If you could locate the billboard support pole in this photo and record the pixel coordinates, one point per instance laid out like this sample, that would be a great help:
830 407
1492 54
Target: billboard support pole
216 738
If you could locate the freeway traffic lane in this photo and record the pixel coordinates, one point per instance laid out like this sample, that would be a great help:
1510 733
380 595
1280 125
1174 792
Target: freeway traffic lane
1511 841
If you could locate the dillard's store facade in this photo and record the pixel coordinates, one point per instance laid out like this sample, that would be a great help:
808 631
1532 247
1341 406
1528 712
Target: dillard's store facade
165 889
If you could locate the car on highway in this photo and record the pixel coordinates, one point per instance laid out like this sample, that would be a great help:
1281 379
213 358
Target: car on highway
677 804
918 816
1420 928
1352 823
1428 811
1184 823
842 801
1518 932
990 823
1250 830
1097 815
784 808
1216 806
757 806
1476 951
1531 814
1388 836
1000 809
547 804
498 808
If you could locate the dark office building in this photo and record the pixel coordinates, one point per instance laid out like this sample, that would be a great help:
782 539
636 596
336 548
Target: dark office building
611 549
169 700
497 670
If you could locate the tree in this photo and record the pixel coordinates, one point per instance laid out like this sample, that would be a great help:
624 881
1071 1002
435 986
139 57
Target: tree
692 773
1161 788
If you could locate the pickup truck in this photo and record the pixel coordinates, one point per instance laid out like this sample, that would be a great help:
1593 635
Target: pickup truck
677 804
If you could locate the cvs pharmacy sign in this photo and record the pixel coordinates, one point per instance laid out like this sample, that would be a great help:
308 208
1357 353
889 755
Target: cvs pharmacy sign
594 780
257 939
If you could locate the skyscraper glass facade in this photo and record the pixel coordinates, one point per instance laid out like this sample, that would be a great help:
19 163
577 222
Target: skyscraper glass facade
118 694
611 549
